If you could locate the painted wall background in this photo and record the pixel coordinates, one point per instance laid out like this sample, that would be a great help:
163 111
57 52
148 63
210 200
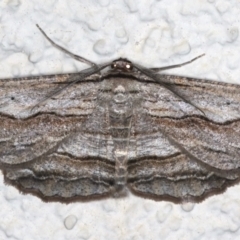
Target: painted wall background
150 32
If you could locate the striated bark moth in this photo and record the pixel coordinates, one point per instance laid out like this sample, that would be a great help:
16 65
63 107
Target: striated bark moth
96 134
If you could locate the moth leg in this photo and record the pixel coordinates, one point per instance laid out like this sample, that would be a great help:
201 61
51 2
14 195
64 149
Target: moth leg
177 65
79 58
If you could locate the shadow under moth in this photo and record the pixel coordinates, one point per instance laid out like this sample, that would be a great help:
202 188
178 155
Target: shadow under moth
119 127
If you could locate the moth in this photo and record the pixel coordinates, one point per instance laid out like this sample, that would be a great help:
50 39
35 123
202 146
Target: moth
118 127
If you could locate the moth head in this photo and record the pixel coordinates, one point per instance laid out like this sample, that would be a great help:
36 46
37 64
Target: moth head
122 65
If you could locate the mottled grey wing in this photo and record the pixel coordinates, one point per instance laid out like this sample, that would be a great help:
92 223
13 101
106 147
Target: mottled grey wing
187 154
47 149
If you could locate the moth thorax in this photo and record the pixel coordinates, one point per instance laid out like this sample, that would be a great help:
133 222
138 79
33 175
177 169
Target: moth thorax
120 95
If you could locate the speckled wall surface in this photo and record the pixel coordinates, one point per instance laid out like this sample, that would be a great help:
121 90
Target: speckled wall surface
153 33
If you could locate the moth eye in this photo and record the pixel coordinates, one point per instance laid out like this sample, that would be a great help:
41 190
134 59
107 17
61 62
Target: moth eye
113 65
128 66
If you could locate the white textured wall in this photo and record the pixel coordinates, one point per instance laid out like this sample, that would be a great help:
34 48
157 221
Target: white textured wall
150 32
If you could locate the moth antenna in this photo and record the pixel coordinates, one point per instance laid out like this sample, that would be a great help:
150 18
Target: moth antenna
177 65
77 57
